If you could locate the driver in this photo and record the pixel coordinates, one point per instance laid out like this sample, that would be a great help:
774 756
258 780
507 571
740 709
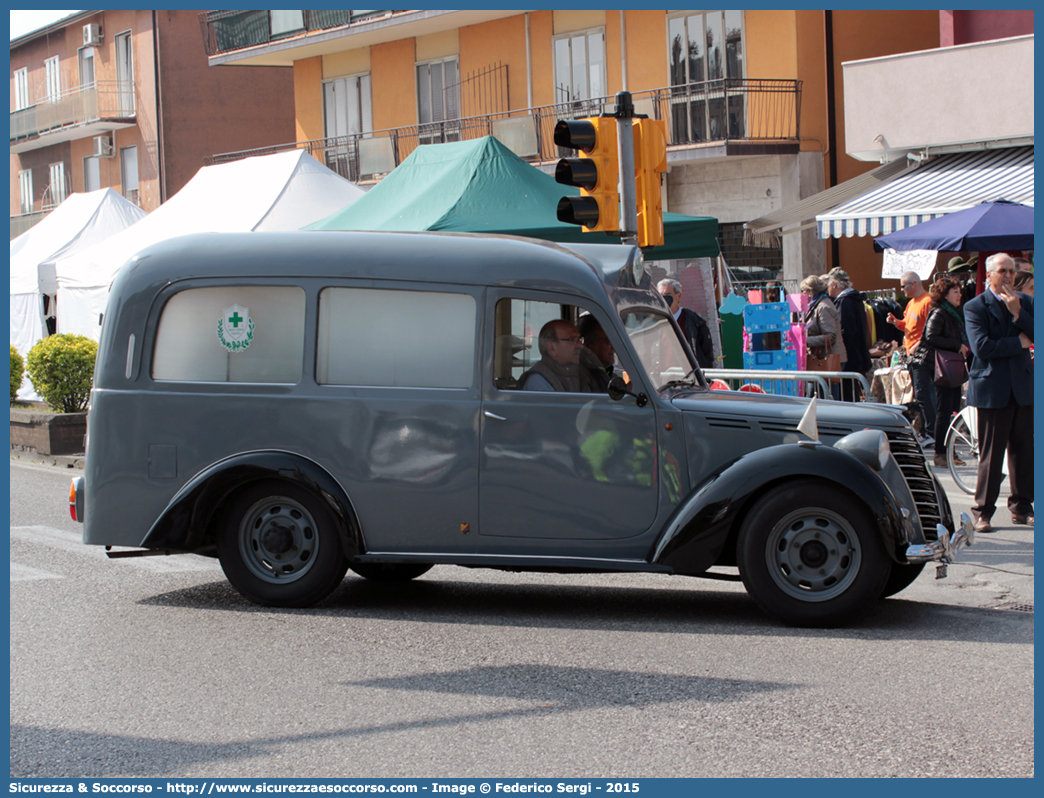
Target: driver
559 366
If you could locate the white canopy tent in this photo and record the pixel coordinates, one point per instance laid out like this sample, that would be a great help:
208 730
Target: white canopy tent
284 191
82 221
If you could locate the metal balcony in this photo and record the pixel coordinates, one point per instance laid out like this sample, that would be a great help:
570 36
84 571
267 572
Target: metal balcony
719 117
226 31
74 114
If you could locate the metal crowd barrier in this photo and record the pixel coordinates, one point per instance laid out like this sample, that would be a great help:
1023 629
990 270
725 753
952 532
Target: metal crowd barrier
791 383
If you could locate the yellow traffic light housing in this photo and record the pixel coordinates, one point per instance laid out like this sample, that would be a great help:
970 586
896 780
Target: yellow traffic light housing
595 172
650 160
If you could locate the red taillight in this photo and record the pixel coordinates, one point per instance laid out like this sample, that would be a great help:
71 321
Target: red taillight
72 500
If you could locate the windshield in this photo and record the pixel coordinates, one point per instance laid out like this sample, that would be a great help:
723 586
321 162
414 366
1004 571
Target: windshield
658 346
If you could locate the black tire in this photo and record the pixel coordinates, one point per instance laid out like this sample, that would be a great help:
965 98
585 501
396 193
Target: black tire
390 571
278 545
901 577
809 554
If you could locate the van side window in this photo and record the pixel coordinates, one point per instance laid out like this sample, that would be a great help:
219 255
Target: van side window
516 349
396 338
233 333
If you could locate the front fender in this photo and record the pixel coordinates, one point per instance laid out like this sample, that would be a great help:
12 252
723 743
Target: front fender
184 522
699 528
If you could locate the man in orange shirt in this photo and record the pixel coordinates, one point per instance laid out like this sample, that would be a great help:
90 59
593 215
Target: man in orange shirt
922 373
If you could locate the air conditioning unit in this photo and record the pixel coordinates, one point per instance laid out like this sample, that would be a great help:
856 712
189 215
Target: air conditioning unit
92 35
102 147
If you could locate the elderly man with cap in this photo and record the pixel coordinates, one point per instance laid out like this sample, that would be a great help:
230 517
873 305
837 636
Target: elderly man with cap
692 324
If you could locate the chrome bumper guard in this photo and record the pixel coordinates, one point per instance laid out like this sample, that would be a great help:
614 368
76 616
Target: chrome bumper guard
944 550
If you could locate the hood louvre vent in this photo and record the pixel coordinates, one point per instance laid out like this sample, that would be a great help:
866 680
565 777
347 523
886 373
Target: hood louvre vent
724 422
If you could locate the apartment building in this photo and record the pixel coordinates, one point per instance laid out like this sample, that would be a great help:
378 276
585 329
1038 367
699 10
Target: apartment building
753 99
125 99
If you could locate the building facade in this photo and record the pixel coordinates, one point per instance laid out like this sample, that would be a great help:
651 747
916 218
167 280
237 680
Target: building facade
753 100
126 100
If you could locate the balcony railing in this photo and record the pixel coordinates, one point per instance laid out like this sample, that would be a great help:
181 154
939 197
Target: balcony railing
100 100
719 111
225 31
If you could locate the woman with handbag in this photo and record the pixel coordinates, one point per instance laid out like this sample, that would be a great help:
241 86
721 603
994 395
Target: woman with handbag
826 350
945 342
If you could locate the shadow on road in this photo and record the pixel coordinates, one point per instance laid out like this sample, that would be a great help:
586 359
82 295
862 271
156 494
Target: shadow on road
609 608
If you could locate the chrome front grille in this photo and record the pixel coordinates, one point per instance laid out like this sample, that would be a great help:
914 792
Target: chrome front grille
911 460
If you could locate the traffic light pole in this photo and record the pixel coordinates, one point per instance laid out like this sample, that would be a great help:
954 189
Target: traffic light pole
625 150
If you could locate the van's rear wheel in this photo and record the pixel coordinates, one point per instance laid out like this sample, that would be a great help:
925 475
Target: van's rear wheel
279 547
809 555
390 571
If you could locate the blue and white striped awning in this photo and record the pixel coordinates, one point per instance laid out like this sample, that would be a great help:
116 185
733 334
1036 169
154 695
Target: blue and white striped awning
946 184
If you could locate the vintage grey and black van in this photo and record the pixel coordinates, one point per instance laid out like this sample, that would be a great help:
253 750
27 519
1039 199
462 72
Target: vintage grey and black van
297 404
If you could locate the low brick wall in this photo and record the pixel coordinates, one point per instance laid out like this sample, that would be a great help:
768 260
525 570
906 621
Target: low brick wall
48 433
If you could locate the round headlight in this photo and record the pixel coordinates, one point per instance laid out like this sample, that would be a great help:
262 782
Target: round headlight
868 445
638 267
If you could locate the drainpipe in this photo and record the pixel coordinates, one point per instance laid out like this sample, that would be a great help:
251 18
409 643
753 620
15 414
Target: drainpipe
835 244
159 110
529 69
623 51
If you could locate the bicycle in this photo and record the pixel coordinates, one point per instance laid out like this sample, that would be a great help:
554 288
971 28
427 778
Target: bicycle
962 449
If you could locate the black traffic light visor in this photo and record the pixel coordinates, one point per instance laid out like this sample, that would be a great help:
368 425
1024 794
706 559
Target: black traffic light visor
576 134
581 172
578 210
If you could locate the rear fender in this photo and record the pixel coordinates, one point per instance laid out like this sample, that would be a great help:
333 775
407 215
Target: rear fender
698 530
185 522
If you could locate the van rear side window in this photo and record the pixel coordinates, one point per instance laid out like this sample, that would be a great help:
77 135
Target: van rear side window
246 334
403 339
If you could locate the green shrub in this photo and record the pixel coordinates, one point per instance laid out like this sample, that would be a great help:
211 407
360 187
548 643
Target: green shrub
17 369
61 368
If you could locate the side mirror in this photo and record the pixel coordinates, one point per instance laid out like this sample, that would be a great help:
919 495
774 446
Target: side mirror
618 390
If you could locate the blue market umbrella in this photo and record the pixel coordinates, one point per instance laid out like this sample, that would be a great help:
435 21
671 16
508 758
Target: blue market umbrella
988 227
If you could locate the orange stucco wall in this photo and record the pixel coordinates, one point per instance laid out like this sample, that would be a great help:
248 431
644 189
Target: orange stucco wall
541 26
393 83
646 51
499 41
308 98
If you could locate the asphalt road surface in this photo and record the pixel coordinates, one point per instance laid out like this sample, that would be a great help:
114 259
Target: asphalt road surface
156 667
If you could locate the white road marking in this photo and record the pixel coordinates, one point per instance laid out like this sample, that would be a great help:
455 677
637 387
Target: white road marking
72 542
23 573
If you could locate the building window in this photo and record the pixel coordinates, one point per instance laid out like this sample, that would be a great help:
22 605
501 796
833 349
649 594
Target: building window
706 48
438 91
580 66
369 336
91 173
86 66
234 333
346 106
21 89
129 174
52 78
125 73
56 193
25 190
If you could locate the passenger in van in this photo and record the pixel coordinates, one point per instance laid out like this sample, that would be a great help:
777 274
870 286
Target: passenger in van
598 354
559 366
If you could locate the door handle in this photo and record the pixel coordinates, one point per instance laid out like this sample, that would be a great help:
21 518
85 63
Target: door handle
487 414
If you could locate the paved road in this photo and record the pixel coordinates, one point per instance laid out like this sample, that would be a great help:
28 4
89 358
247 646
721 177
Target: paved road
156 667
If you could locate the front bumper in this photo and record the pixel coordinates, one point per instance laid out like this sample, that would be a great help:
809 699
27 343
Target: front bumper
945 548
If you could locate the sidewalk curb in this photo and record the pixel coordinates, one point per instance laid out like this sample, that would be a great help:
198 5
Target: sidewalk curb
29 455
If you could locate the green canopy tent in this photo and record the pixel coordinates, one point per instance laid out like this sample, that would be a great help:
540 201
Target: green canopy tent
481 186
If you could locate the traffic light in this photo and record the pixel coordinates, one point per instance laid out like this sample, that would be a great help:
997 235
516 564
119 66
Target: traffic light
650 159
595 172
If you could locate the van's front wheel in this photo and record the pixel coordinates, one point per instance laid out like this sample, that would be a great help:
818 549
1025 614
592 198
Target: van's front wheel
809 555
279 547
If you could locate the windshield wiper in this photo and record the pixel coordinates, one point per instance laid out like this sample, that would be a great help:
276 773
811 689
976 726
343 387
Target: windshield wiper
689 381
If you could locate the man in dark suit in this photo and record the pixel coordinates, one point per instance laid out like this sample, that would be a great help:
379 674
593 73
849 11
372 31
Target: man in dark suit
696 331
1000 331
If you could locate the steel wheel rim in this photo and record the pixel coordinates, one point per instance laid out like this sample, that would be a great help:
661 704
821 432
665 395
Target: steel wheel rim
278 540
813 554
